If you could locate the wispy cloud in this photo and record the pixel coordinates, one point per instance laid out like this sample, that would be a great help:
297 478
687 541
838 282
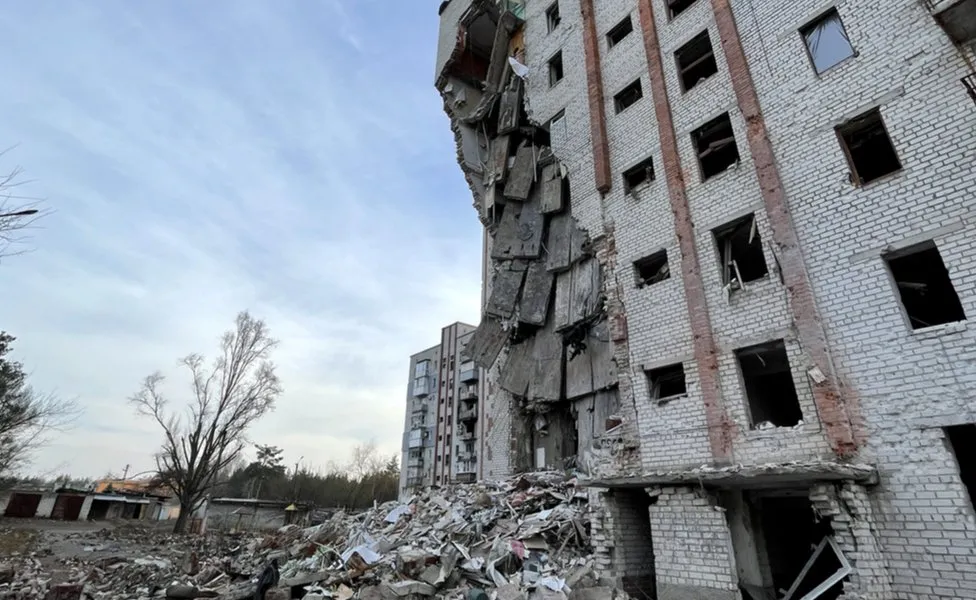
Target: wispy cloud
287 158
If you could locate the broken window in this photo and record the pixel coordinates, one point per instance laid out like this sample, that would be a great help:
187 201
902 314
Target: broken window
628 96
740 252
826 41
924 286
666 382
868 148
638 174
962 442
652 269
619 32
676 7
770 392
556 69
552 16
715 145
557 127
696 61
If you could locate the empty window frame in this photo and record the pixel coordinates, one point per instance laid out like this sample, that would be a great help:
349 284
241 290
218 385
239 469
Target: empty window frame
628 96
619 32
696 61
652 269
740 252
962 443
869 150
552 16
770 391
715 144
666 382
826 41
556 69
676 7
924 286
638 174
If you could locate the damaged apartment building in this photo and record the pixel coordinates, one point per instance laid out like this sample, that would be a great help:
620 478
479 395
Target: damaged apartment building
728 275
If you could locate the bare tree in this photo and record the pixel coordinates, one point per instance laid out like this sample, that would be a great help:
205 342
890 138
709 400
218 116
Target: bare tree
27 418
18 212
204 436
366 460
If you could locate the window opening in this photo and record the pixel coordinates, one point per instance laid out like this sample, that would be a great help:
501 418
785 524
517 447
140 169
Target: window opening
628 96
676 7
715 144
924 286
962 442
869 150
769 387
667 382
826 41
696 61
619 32
552 16
638 174
557 126
740 251
652 269
556 69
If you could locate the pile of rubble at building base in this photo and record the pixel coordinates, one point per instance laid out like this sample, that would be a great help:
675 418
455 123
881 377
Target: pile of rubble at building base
528 536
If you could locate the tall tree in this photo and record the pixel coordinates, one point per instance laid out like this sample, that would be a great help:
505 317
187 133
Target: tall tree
204 435
26 417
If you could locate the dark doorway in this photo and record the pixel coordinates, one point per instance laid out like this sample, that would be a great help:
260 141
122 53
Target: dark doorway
99 510
67 507
634 546
22 506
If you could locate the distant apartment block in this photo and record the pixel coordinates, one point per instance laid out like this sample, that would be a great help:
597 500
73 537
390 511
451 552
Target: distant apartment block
443 423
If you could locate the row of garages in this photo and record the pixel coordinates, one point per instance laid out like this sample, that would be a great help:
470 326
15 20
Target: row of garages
78 505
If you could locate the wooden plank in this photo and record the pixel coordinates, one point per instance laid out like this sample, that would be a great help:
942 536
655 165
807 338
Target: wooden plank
498 160
534 305
517 372
522 174
547 361
552 189
486 342
505 286
509 109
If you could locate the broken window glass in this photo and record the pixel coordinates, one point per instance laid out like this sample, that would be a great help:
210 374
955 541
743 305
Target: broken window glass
740 253
552 16
715 145
556 69
667 382
768 380
628 96
827 42
696 61
619 32
639 174
868 148
924 286
652 269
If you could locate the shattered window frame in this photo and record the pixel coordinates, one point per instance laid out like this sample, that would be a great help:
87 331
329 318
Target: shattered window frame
645 168
552 17
620 31
861 125
556 72
701 134
937 280
669 375
651 269
822 38
706 58
777 353
625 98
725 236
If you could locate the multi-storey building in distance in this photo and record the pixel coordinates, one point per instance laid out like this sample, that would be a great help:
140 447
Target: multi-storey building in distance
443 424
729 271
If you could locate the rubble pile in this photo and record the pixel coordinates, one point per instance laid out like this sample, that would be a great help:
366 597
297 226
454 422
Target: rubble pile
486 541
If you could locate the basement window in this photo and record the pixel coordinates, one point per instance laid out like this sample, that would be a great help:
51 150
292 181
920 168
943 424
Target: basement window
628 96
740 252
619 32
676 7
715 145
962 442
770 392
868 148
638 175
924 286
556 69
666 382
696 61
552 16
826 41
652 269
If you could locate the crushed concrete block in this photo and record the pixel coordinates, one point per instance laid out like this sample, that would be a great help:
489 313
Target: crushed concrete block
534 305
486 342
552 189
410 588
522 174
505 288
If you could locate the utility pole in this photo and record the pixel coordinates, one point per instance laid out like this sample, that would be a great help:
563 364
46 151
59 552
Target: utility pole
125 472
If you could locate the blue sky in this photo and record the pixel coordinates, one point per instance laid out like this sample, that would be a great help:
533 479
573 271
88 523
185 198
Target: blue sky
290 158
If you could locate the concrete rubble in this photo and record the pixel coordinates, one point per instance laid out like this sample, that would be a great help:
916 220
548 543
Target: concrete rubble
523 539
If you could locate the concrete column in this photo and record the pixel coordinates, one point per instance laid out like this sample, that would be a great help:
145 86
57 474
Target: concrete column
46 506
85 509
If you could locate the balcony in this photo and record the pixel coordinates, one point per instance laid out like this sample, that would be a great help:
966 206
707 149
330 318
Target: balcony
466 476
466 436
413 482
468 414
421 386
956 17
469 372
468 392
